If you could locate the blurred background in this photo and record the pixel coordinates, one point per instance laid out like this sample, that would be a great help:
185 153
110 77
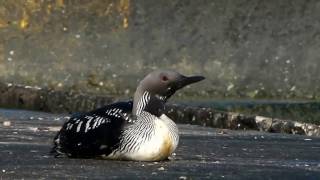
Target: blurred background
259 56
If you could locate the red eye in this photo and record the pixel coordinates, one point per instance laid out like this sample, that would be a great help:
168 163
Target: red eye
164 78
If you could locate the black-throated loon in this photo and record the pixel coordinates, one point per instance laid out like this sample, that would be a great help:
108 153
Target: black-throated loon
135 130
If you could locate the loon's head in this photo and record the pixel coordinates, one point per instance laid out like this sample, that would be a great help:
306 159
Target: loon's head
157 87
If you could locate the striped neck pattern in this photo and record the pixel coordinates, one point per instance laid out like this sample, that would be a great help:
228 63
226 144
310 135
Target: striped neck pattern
143 102
149 102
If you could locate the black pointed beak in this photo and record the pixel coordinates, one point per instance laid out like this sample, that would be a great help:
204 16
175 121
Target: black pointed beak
181 82
184 81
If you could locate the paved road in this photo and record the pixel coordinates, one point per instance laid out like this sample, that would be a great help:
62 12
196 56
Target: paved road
203 153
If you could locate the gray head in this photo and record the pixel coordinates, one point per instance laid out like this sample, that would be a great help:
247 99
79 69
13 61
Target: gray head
157 87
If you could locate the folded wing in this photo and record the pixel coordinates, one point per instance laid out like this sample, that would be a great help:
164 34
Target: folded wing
94 133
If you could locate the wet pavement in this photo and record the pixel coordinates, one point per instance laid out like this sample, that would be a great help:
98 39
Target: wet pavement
203 153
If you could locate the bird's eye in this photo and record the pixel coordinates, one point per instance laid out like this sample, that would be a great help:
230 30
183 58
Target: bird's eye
164 78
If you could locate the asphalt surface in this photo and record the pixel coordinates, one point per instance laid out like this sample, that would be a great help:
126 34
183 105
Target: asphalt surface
203 153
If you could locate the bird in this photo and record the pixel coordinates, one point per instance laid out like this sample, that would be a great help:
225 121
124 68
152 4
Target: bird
134 130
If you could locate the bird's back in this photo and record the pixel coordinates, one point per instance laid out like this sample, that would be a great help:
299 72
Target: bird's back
90 134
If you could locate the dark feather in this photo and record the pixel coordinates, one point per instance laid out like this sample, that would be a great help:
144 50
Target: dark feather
99 131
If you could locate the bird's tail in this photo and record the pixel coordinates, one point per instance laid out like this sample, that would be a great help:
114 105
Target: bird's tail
56 149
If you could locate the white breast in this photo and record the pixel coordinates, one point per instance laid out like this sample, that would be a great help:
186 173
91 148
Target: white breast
161 145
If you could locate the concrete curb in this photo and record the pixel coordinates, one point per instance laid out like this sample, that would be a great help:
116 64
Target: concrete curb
35 98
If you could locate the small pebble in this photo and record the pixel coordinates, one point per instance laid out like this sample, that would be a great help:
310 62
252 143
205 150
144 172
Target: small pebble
222 132
7 123
43 129
161 168
32 129
56 119
183 178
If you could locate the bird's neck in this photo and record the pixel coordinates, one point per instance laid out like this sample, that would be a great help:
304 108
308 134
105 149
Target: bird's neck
148 102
